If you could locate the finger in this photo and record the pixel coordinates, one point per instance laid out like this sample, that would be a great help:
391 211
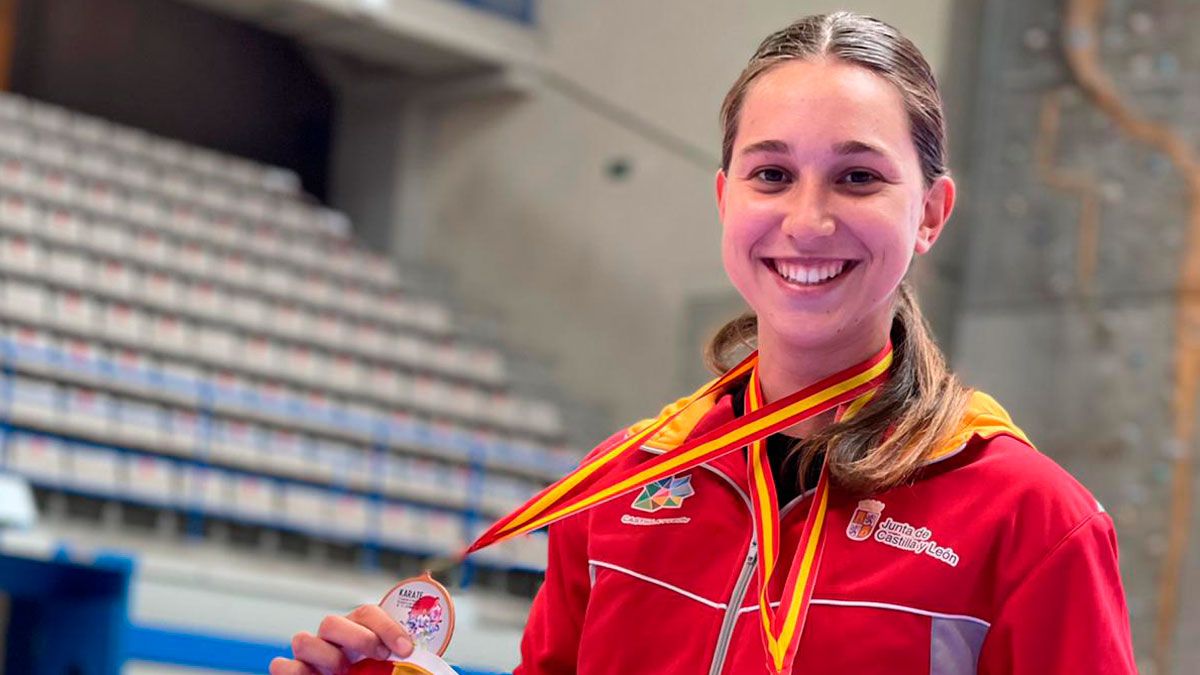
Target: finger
352 636
282 666
392 633
319 654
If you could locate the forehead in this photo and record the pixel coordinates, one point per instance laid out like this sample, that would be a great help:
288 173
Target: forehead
816 102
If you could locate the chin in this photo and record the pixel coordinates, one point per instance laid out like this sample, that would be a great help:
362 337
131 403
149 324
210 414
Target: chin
809 332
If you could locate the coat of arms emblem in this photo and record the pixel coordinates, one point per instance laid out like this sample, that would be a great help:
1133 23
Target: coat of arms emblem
864 520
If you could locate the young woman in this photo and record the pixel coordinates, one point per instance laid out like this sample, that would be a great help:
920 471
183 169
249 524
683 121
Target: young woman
912 529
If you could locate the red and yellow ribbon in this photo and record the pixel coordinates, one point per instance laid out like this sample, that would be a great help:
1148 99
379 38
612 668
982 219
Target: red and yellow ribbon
782 628
599 480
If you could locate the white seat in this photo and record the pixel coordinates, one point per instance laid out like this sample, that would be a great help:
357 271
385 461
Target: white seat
139 421
53 151
38 457
257 351
150 246
153 479
24 300
123 321
49 117
57 185
61 224
194 258
170 332
144 211
87 410
280 180
216 342
351 515
291 454
17 213
67 265
94 469
205 297
100 196
162 289
236 442
16 174
74 309
115 276
19 252
255 498
183 435
305 507
13 107
90 129
34 400
207 489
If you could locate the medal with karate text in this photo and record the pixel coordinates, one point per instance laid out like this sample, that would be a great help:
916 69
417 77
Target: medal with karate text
598 481
424 608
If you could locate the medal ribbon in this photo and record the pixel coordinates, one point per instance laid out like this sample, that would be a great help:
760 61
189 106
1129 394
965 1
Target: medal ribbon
597 481
783 627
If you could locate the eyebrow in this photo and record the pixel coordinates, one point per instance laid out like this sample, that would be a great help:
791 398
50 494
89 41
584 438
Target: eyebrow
852 147
764 146
856 148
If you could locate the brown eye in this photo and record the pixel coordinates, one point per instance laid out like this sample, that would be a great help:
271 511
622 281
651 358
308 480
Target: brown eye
859 178
771 175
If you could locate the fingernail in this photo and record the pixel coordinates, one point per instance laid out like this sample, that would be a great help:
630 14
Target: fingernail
404 646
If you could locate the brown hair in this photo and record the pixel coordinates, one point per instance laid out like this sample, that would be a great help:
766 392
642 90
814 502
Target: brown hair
922 402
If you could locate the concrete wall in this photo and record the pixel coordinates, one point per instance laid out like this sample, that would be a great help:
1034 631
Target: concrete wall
595 272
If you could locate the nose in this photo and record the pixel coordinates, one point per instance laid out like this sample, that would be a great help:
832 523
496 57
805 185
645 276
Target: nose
807 215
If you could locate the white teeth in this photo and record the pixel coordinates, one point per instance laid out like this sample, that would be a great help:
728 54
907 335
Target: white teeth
809 274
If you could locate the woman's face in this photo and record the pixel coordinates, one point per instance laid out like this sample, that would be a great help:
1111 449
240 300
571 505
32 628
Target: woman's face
824 204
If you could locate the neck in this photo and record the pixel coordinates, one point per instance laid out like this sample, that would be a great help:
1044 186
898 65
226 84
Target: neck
784 368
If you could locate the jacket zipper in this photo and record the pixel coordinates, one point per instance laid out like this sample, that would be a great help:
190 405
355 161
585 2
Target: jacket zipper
734 609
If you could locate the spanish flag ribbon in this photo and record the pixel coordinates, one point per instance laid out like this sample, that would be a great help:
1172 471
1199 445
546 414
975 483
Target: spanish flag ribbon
783 627
517 522
599 480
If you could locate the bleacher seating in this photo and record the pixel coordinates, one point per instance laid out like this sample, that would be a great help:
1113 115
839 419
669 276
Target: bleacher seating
182 330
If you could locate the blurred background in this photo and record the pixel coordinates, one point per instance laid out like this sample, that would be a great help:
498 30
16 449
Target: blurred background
296 296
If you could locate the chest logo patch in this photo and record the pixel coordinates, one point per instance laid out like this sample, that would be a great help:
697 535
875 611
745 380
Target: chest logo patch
668 493
864 520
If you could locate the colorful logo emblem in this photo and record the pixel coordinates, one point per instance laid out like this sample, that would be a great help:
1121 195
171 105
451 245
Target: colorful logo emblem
864 520
667 493
424 608
424 618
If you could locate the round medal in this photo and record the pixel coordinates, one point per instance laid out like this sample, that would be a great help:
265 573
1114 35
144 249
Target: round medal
424 608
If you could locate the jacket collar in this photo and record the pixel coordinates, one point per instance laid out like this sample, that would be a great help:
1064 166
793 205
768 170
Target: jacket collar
984 418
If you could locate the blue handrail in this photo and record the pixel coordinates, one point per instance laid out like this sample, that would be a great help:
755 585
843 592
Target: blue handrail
521 11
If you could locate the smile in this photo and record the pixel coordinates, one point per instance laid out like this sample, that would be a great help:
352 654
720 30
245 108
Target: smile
809 272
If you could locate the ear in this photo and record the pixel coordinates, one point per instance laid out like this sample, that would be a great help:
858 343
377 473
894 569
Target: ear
721 194
939 202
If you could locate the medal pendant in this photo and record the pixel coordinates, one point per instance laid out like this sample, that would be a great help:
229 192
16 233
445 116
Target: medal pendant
424 608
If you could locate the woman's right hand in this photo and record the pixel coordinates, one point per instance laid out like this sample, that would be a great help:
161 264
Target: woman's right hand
366 632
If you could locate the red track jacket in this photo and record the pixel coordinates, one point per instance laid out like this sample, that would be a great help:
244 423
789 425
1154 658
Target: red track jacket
994 560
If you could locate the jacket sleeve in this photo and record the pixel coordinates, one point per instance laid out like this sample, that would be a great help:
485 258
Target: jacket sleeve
1068 615
550 645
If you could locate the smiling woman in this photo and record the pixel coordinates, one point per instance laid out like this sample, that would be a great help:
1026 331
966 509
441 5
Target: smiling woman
990 558
821 221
